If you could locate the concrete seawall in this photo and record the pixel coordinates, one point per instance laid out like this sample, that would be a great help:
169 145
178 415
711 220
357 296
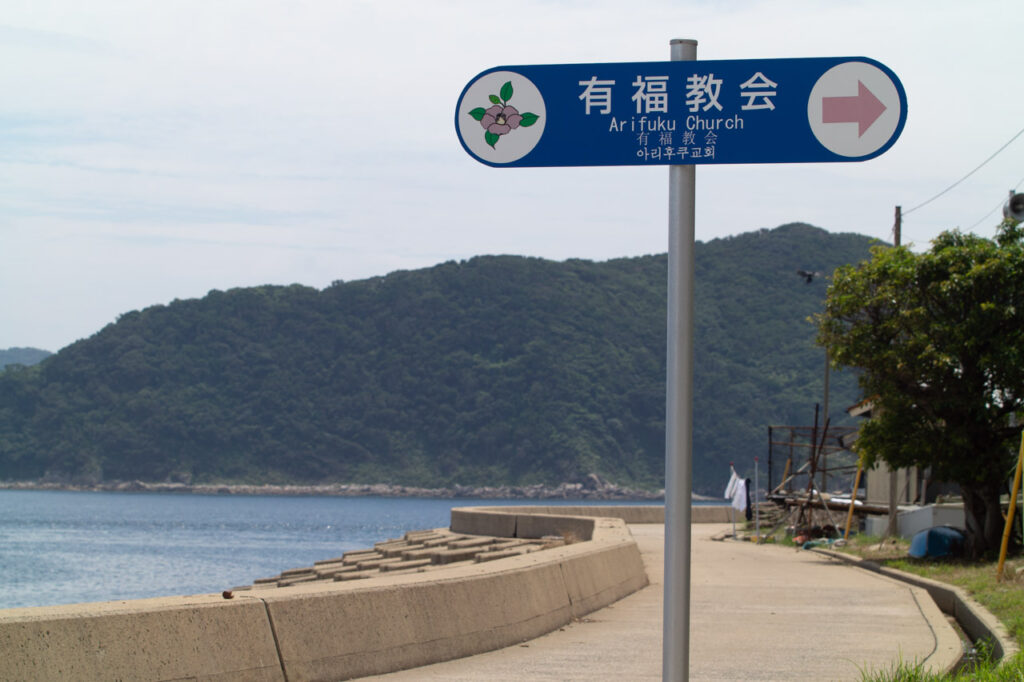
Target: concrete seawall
629 514
345 630
201 637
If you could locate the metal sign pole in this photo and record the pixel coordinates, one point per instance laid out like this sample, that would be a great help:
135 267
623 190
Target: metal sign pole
826 109
679 410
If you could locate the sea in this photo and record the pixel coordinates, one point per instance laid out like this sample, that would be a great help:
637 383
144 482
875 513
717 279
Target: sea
65 547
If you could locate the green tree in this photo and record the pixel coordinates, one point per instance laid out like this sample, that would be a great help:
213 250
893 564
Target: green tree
939 337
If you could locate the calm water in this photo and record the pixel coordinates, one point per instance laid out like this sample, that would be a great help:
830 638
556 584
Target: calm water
69 547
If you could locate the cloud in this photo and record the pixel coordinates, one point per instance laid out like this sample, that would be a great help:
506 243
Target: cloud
158 150
51 41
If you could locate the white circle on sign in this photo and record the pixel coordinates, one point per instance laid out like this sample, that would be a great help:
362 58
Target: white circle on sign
854 109
501 117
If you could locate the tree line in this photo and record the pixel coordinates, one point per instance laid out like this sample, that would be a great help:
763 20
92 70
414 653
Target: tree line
497 370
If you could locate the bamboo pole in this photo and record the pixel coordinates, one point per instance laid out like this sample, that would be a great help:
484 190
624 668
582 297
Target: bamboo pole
824 505
1011 510
789 477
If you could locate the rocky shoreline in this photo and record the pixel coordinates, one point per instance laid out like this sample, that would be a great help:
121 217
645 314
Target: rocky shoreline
593 488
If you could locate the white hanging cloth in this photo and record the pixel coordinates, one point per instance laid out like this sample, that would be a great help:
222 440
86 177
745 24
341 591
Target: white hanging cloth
730 489
739 495
736 491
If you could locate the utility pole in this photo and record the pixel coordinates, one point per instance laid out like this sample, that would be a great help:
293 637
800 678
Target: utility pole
824 457
893 526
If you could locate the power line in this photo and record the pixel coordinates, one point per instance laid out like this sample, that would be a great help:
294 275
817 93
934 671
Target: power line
1019 133
1001 202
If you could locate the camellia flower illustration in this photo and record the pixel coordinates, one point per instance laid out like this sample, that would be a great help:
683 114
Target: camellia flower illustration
501 118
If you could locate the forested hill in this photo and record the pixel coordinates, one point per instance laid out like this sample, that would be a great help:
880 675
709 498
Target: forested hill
22 356
495 370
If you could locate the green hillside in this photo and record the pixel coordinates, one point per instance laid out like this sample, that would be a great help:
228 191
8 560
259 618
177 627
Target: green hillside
22 356
495 370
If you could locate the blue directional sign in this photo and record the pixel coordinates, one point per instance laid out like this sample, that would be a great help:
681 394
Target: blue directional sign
682 112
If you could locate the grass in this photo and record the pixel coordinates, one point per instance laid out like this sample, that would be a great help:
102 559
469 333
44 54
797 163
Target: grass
983 670
1004 599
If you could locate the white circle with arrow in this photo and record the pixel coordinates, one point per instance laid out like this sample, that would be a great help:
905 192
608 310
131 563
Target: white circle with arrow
854 109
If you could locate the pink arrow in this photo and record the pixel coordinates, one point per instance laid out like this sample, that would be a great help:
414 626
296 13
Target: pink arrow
864 109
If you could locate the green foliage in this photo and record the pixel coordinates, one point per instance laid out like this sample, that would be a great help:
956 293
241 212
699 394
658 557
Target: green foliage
940 339
983 670
495 370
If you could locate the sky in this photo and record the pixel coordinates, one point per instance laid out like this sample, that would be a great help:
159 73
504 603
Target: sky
153 151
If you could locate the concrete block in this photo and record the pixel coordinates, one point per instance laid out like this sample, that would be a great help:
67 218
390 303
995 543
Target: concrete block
602 576
328 565
396 550
426 552
266 581
174 638
355 559
342 634
472 542
712 514
876 525
331 573
423 535
377 563
405 565
572 528
508 544
475 522
629 514
296 572
638 514
297 579
505 553
443 541
451 556
912 522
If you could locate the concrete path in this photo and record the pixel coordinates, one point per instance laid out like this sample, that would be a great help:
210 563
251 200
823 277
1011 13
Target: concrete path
757 613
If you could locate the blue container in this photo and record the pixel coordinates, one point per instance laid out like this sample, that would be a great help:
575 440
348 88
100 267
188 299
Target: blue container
937 543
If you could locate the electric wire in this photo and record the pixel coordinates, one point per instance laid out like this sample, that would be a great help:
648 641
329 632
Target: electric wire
1001 202
983 163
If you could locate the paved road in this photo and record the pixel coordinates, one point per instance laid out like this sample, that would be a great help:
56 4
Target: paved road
757 613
